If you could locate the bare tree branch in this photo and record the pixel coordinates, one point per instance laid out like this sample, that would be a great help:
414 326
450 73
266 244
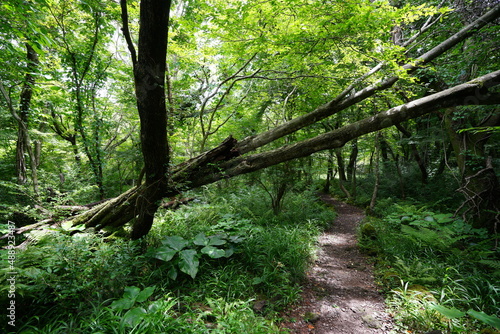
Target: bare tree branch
126 31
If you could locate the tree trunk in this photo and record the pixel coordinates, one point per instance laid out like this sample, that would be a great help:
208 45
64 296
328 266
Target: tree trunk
376 185
479 183
340 165
353 158
22 118
149 76
416 154
395 158
341 171
329 172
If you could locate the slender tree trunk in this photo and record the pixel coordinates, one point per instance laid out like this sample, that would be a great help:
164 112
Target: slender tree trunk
340 165
329 172
377 172
351 167
341 171
396 158
353 157
23 138
21 169
444 157
416 155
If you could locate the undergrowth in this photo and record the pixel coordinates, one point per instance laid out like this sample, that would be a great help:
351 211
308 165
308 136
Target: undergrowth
224 264
438 272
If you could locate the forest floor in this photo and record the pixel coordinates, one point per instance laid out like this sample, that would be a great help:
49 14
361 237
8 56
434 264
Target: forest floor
340 296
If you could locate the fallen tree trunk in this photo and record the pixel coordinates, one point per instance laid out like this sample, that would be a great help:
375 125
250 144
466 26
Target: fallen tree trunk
230 158
348 97
225 160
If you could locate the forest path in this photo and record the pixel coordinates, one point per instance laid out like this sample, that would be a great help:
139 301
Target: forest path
340 296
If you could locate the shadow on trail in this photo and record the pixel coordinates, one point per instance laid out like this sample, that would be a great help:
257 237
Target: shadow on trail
340 296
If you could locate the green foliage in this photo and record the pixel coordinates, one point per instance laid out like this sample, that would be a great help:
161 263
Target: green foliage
427 228
184 255
453 313
271 252
77 281
435 268
70 269
132 296
159 316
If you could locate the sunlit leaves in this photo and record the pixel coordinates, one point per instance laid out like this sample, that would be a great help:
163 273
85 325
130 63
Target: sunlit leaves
305 52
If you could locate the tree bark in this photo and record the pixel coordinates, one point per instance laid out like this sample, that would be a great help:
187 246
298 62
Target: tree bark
22 118
376 185
479 183
149 76
329 172
351 166
340 165
416 155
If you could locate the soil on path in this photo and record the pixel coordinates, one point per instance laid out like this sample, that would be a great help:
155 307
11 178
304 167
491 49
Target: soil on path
340 296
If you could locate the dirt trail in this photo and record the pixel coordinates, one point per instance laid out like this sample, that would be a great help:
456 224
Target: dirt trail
340 296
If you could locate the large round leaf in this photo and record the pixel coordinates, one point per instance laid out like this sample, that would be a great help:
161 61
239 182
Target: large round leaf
188 262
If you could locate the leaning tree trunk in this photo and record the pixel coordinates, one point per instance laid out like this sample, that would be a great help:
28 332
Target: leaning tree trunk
226 160
230 158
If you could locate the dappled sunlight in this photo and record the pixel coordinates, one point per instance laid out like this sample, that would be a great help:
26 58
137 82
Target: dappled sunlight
341 292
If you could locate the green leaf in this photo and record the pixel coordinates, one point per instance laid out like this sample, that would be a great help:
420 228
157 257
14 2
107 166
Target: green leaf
122 304
229 252
155 306
145 294
201 239
176 242
172 273
131 292
487 319
451 313
443 218
127 301
236 239
32 272
213 252
216 240
189 262
164 253
134 316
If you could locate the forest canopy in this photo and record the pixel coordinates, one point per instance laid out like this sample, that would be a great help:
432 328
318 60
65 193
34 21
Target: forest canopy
109 107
